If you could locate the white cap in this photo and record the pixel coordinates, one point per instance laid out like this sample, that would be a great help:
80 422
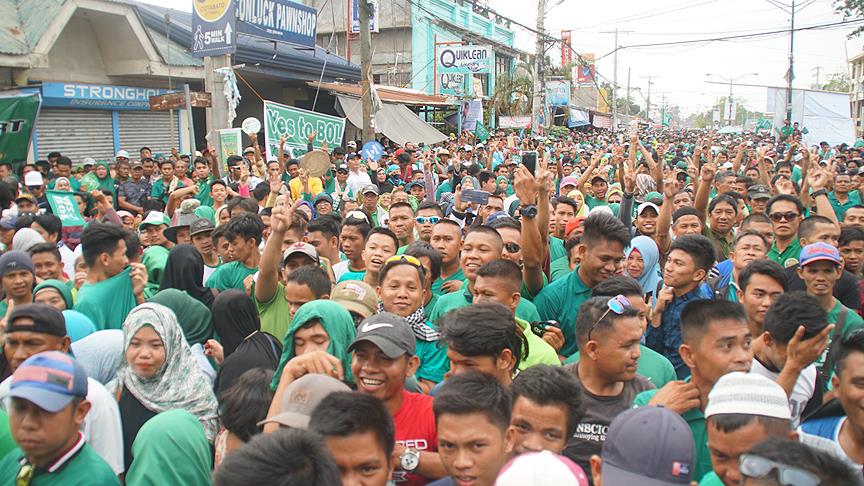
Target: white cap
155 218
122 153
748 394
88 161
352 143
468 148
542 468
33 178
645 205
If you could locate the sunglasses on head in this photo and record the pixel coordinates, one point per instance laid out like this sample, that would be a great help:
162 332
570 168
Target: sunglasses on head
427 219
357 215
617 305
404 259
758 467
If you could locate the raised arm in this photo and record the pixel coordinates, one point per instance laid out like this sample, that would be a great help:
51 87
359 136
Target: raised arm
586 176
706 181
268 279
533 248
664 219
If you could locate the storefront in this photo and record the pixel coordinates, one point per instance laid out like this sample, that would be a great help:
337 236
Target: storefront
91 120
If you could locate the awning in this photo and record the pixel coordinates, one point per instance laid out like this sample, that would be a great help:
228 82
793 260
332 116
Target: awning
388 94
396 122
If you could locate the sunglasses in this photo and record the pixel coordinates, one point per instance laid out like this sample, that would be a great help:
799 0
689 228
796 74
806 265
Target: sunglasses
512 247
758 467
617 305
357 215
429 219
404 259
778 217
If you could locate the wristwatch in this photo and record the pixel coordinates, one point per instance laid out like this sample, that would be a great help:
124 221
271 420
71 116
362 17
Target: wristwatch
529 211
820 192
409 460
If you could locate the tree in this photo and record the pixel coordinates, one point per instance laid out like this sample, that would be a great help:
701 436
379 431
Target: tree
512 96
851 9
838 82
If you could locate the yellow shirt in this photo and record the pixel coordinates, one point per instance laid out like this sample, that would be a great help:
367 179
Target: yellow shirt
315 187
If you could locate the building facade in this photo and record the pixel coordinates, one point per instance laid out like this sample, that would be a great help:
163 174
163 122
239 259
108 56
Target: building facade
856 97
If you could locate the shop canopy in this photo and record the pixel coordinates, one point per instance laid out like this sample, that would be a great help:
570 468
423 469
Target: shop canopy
395 121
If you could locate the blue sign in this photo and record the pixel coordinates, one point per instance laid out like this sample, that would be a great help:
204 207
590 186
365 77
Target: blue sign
213 27
355 16
98 96
278 20
372 150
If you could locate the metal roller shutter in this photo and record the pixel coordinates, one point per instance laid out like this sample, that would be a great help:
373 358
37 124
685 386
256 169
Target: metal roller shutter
147 129
75 133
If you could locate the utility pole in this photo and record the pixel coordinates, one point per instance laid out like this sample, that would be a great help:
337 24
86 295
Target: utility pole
615 76
818 69
365 70
539 81
627 105
790 74
648 99
214 83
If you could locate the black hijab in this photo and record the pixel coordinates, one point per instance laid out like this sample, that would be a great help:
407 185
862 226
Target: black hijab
235 319
184 270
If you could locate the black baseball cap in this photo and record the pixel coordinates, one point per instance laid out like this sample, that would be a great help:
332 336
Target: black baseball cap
38 318
389 332
200 225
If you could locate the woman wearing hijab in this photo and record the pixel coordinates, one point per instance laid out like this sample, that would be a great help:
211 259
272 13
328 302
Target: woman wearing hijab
159 373
78 326
100 179
54 293
577 196
504 186
195 318
100 354
243 346
26 238
320 325
642 262
171 448
184 270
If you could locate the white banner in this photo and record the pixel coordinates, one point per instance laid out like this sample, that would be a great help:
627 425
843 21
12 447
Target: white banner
514 121
825 115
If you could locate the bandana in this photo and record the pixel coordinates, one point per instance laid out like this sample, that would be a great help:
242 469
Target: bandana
417 321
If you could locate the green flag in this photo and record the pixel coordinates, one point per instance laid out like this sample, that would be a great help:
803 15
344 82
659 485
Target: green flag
667 119
18 114
763 124
481 132
65 207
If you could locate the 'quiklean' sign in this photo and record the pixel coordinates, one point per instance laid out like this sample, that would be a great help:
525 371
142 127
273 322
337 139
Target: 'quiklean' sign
474 59
279 20
97 96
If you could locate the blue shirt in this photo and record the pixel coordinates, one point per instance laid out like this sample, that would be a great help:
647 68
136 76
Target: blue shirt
666 339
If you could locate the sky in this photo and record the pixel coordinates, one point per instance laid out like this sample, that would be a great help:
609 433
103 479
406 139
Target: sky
679 71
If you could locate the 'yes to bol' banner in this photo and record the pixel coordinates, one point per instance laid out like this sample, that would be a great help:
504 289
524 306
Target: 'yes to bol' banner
296 125
65 207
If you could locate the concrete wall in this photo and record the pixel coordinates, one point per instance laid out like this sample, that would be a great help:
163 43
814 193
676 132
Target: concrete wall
392 14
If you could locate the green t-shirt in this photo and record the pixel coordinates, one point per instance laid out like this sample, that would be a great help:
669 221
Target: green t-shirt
539 351
108 302
711 479
841 208
456 300
593 203
556 248
275 314
433 361
559 268
4 307
204 191
230 276
7 443
788 257
696 420
436 285
85 468
352 275
155 258
159 191
432 303
560 301
445 186
652 365
852 323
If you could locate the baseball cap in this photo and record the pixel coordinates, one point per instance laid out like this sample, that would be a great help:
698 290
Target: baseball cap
393 168
541 468
27 196
323 196
300 398
495 216
681 165
8 220
748 394
759 191
15 260
356 296
184 220
467 148
33 178
646 205
122 153
649 446
819 251
600 177
352 143
415 183
200 225
302 248
38 318
124 214
570 181
342 167
248 150
369 188
387 331
443 151
155 218
50 380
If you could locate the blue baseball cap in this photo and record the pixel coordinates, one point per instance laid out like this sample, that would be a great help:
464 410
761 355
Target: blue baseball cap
819 251
50 380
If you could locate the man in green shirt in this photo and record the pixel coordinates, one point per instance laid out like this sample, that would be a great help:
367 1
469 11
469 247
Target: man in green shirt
785 212
601 250
842 198
169 182
244 234
447 239
17 275
156 255
599 187
716 341
49 404
203 180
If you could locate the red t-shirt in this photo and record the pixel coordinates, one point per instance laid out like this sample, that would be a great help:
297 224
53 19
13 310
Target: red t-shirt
415 429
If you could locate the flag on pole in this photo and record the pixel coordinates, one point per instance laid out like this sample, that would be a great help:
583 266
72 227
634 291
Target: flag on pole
481 132
64 205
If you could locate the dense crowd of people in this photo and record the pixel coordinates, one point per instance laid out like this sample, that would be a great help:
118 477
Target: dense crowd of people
657 307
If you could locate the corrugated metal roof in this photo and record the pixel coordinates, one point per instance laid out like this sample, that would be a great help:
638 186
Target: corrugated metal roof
23 22
388 94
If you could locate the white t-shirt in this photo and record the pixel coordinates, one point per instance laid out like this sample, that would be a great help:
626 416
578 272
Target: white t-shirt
356 181
340 268
802 392
102 428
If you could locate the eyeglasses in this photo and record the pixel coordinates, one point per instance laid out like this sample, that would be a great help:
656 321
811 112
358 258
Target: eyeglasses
758 467
429 219
25 475
512 247
617 305
357 215
406 259
778 217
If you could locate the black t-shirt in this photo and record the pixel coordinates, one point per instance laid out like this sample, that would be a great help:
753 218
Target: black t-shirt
846 289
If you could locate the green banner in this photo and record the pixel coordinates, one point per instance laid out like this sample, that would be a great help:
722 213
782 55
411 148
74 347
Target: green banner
667 119
481 132
763 124
18 114
230 143
296 125
65 207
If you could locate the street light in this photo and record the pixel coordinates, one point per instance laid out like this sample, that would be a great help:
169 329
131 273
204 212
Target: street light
731 80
